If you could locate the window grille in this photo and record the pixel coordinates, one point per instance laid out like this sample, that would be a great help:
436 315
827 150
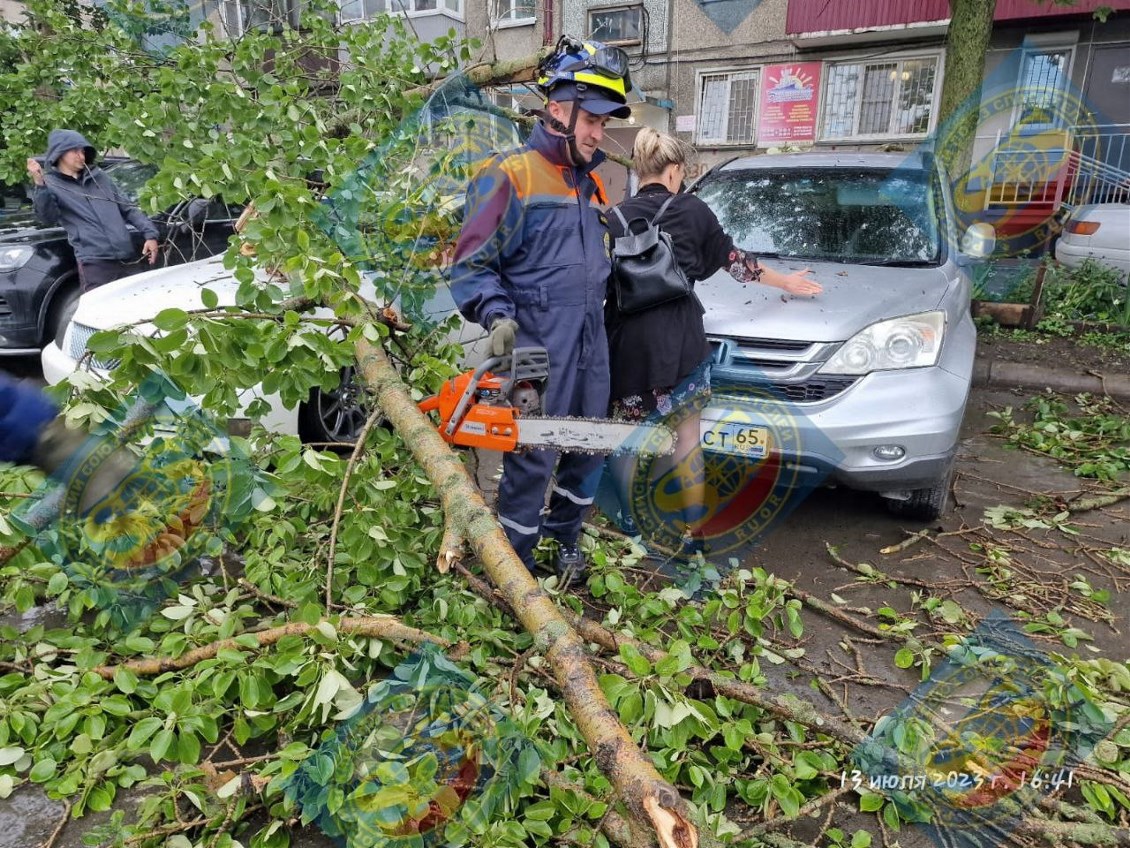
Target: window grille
879 99
1043 81
727 108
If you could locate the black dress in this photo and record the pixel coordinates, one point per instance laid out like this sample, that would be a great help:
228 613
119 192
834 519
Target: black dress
653 352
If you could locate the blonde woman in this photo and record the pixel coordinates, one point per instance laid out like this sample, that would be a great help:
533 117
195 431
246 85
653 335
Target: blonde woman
660 357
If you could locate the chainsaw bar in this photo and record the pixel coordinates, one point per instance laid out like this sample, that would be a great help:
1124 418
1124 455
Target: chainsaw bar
596 436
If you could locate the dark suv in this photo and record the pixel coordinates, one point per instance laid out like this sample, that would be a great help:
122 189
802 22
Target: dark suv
38 274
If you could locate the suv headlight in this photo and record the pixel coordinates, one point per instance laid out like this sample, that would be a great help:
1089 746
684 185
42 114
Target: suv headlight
913 341
12 258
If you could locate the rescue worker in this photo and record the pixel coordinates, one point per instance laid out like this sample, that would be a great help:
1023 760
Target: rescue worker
33 433
531 266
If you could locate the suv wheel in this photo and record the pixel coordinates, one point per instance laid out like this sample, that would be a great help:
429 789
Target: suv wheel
925 504
337 415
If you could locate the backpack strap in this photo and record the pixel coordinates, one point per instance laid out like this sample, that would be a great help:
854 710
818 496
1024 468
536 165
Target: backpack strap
662 209
616 211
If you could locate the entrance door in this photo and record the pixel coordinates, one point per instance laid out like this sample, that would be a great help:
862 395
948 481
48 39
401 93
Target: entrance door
1108 95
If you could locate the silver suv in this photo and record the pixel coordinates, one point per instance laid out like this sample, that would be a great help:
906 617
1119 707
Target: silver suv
866 384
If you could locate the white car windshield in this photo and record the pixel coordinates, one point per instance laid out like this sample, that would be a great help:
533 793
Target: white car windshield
841 215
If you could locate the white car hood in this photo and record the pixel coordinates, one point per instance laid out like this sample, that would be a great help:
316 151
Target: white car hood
136 300
854 297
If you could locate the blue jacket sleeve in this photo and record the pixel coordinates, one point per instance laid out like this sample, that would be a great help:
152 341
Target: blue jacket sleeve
24 412
46 205
133 214
492 217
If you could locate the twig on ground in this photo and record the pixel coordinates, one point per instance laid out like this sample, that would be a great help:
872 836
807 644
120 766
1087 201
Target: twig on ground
358 448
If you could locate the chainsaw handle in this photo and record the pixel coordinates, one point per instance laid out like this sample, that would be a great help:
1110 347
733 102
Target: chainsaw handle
469 392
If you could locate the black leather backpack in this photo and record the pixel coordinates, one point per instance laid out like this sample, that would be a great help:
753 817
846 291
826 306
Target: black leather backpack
645 272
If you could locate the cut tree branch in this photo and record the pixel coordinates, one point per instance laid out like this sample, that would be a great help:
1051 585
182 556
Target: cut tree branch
652 802
377 627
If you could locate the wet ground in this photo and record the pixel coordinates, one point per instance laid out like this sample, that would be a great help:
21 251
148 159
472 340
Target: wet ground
858 671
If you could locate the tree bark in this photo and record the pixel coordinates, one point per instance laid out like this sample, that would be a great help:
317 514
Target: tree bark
967 40
652 802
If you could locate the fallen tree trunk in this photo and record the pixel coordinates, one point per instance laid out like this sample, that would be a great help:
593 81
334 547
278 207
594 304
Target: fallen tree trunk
652 802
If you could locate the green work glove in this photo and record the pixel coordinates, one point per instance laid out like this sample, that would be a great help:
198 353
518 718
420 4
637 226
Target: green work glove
58 443
502 334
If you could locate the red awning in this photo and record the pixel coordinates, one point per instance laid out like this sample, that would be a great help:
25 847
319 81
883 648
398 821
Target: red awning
811 16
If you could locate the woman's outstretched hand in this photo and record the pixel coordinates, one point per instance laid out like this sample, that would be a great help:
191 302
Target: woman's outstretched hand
795 283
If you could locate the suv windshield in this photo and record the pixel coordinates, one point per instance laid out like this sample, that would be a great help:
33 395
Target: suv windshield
841 215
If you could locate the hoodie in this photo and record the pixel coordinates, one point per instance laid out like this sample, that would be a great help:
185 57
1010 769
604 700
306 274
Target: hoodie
91 208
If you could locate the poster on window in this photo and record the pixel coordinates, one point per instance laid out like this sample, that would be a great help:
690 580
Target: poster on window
789 94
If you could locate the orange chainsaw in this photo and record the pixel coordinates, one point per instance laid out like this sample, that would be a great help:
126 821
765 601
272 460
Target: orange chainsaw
497 406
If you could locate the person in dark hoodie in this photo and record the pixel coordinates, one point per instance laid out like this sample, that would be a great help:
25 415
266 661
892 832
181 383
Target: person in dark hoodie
80 197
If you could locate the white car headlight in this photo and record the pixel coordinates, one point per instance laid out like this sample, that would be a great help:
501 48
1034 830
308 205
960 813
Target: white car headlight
913 341
12 258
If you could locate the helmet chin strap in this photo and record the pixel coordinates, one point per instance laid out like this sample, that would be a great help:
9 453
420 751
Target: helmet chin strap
569 132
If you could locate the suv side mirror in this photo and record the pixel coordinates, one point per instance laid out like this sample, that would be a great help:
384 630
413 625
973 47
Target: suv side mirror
979 240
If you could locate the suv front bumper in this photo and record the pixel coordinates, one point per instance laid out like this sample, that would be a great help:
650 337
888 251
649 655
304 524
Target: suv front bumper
916 410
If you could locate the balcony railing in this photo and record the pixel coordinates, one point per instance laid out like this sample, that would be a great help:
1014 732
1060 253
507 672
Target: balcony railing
1077 168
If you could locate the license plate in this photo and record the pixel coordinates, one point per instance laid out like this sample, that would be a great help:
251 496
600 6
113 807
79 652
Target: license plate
736 437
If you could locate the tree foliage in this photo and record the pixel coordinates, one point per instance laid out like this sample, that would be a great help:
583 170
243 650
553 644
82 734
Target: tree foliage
227 750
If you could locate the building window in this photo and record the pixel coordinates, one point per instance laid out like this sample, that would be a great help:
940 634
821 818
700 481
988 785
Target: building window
880 99
513 11
1043 83
616 26
239 16
727 106
364 10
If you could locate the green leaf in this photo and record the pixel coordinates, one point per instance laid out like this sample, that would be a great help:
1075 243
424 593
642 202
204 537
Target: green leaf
8 756
125 680
529 766
870 802
142 731
635 661
904 658
161 744
170 320
43 770
209 298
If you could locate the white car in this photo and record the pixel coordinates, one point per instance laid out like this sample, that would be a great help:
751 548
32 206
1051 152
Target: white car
1098 231
335 416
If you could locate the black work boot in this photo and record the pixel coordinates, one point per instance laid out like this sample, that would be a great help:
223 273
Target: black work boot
569 563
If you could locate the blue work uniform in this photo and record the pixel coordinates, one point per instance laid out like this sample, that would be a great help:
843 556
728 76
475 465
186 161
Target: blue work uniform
535 249
24 412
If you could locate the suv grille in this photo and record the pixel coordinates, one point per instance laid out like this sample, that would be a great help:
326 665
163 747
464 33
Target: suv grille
786 369
812 390
78 336
5 309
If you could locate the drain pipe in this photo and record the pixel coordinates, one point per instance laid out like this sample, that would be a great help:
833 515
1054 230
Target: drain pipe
670 41
547 34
